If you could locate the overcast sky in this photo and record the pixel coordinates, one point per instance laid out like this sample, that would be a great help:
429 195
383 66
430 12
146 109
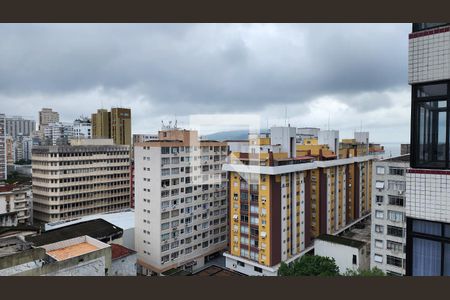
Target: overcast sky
347 75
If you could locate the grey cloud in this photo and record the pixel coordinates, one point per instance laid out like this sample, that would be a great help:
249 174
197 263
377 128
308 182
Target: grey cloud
181 69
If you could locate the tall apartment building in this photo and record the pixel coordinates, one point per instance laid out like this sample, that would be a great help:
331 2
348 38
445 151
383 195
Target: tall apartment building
180 201
101 122
16 202
83 178
428 179
58 133
388 243
115 124
22 148
47 116
282 196
3 163
82 128
19 126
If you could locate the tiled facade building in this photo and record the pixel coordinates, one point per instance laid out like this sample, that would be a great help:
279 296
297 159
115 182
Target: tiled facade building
428 180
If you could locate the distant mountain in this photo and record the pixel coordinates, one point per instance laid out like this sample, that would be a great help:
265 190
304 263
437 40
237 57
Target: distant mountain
228 135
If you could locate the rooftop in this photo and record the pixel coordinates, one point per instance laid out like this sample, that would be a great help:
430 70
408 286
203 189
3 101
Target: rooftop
401 158
341 240
119 251
72 251
123 219
12 245
98 229
214 270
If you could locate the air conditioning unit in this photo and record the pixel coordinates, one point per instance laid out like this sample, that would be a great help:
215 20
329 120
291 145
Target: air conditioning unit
401 192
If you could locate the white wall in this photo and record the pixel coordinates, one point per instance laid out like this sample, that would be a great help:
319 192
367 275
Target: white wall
342 254
125 266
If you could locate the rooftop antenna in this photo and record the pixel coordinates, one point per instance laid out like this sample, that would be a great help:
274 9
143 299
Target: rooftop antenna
285 115
328 120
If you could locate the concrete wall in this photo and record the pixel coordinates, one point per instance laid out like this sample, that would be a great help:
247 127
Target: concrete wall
342 254
125 266
247 269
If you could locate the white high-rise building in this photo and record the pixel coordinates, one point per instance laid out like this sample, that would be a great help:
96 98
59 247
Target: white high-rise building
388 215
19 126
180 201
82 128
58 133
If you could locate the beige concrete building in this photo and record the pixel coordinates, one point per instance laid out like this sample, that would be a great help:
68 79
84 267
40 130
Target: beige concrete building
89 176
180 201
47 116
115 124
15 204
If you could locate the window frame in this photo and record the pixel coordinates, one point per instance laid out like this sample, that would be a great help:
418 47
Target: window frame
415 130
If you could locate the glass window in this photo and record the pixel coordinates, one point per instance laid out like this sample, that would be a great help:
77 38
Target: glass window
426 258
447 259
431 124
431 90
424 26
432 228
379 214
380 170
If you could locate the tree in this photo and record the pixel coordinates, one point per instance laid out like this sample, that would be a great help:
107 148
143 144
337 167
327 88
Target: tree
370 272
310 265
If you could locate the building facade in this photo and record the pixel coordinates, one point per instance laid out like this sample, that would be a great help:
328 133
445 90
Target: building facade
115 124
17 200
19 126
428 179
58 133
84 178
281 199
82 128
47 116
388 245
180 201
3 150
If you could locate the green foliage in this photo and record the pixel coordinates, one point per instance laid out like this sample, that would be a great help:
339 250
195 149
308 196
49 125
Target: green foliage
310 265
371 272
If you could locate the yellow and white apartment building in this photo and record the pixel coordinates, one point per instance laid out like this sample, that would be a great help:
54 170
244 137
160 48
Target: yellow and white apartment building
283 195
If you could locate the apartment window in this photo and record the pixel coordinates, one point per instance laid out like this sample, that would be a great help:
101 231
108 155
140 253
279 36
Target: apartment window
165 247
354 259
395 185
379 199
165 226
425 26
244 240
165 215
395 216
378 258
379 229
380 170
379 185
396 200
165 150
379 244
430 129
165 236
396 171
395 231
379 214
240 263
394 261
257 269
394 246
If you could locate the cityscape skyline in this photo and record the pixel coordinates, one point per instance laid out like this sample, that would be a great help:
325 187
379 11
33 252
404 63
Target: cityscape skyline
164 73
